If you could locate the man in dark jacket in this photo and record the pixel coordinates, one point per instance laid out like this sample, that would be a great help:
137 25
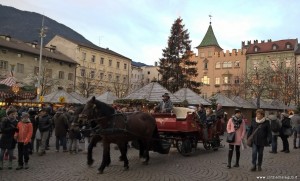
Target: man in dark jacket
44 124
61 127
7 141
166 105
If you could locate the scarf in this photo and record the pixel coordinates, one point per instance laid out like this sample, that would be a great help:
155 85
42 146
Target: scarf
260 121
236 122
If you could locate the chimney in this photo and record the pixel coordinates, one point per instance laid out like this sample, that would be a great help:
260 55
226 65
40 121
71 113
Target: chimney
255 41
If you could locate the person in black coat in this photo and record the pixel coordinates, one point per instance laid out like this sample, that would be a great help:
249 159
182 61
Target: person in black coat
7 141
261 138
286 124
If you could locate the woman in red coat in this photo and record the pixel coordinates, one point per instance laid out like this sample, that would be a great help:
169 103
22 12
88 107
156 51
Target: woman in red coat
236 124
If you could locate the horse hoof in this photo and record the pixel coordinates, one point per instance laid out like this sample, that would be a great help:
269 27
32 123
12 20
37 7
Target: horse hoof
145 163
100 172
126 168
90 162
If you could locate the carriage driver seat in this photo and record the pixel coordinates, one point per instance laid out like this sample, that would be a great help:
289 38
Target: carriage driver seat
182 112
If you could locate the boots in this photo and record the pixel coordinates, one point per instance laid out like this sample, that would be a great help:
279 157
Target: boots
237 159
10 165
26 166
253 168
258 168
1 165
19 167
230 153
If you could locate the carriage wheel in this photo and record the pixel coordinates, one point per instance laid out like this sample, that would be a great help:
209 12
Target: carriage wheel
184 147
216 142
206 145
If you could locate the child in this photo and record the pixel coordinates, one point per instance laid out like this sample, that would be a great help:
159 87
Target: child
23 138
74 135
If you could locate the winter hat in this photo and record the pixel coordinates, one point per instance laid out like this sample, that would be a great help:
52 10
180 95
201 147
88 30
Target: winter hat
11 110
25 114
237 111
60 110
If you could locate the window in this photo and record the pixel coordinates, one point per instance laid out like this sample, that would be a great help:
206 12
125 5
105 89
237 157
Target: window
218 65
205 80
274 47
36 70
205 65
110 63
210 54
49 73
125 66
101 60
237 80
92 74
148 72
19 55
288 46
82 72
109 77
4 51
118 65
217 81
101 76
227 64
124 79
70 76
83 55
226 80
4 64
117 78
93 58
61 75
202 55
20 68
237 63
256 49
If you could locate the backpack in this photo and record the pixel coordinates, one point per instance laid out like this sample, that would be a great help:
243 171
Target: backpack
275 127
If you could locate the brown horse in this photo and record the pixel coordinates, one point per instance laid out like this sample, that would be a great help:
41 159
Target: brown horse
119 129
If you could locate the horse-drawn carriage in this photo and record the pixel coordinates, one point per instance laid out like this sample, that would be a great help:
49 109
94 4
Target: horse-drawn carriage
184 130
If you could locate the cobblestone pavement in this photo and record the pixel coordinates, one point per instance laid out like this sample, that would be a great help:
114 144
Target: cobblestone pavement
203 165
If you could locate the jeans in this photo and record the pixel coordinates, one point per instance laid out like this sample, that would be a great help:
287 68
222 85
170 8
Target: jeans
274 143
62 140
295 138
257 150
44 137
10 154
285 142
23 153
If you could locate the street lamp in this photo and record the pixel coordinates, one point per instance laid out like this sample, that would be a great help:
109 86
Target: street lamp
42 35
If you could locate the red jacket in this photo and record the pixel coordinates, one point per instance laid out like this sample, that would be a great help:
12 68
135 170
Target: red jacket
25 132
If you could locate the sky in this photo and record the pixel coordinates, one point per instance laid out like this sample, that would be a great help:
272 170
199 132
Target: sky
139 29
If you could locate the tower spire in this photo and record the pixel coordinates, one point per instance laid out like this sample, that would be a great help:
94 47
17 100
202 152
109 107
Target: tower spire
210 19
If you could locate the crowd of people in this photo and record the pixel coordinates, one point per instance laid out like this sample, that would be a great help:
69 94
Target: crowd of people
265 131
30 129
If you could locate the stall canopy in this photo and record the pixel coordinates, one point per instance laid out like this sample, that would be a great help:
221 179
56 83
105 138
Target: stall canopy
61 96
244 103
191 97
152 92
225 101
79 97
107 97
9 81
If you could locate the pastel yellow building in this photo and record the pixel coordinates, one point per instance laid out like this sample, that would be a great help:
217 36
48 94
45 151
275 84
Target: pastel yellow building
22 60
99 68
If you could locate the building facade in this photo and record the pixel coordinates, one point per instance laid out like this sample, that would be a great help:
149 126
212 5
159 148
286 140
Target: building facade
99 69
219 71
22 60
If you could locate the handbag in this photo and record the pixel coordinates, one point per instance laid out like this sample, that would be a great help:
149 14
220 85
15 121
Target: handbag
230 137
288 131
250 138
